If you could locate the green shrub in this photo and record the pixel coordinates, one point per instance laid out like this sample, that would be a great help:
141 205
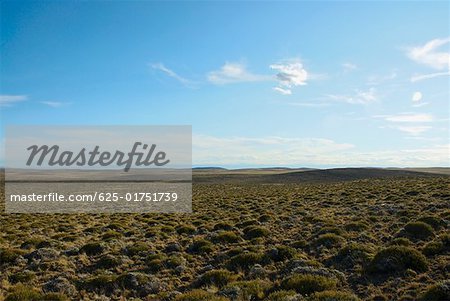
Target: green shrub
23 277
255 231
282 253
223 226
418 231
356 226
23 293
8 256
352 255
440 245
199 295
333 296
108 261
201 246
138 248
253 289
186 229
155 265
244 261
397 259
329 240
93 248
400 241
435 222
226 237
281 295
307 284
219 278
111 235
437 292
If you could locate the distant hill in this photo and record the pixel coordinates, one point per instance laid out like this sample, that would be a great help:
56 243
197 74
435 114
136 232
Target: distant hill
307 175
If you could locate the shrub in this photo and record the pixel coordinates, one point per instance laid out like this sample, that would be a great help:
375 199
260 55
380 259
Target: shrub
281 295
307 284
440 245
225 237
219 278
282 253
255 231
329 240
199 295
437 292
400 241
352 255
333 296
23 293
245 260
93 248
138 248
417 231
201 246
223 226
398 258
108 261
111 235
102 283
8 256
252 290
186 229
25 276
356 226
433 221
155 265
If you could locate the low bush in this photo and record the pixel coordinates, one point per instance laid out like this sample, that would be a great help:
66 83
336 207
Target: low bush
306 284
437 292
218 278
398 259
255 232
333 296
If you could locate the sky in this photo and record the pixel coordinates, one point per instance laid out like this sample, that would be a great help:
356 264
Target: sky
296 84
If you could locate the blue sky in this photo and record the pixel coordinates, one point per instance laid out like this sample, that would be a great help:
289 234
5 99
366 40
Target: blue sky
319 84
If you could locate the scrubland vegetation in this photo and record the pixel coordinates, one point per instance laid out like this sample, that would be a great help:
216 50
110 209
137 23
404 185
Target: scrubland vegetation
377 239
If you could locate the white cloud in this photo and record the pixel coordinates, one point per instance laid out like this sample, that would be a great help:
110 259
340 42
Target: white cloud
54 104
9 100
296 152
359 97
407 117
290 74
412 130
417 96
349 66
283 90
430 55
234 73
420 77
161 67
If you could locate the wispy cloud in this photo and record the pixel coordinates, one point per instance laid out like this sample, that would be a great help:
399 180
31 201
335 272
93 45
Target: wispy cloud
420 77
410 123
296 152
430 55
407 117
348 67
358 97
169 72
234 73
54 104
283 91
9 100
290 73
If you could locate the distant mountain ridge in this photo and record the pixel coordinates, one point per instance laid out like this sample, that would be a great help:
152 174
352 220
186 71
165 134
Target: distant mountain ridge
308 175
